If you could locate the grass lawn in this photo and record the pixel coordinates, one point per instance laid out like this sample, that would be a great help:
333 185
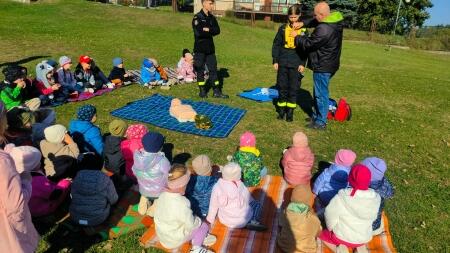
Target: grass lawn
400 101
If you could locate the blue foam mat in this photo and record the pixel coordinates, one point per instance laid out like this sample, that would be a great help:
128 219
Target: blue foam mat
257 95
155 110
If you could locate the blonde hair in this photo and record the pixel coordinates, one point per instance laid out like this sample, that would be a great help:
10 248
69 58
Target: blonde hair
177 171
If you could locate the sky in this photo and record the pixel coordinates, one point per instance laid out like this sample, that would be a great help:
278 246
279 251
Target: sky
439 13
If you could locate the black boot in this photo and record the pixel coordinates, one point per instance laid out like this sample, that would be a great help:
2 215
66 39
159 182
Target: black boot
202 93
218 93
289 114
281 112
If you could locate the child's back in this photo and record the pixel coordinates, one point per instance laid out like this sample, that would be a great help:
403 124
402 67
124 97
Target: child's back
112 154
249 159
298 161
133 142
151 171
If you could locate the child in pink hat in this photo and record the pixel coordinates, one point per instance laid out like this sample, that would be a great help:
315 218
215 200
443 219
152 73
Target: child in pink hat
133 142
298 161
249 159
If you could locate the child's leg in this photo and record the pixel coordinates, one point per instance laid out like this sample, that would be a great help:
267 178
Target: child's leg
199 234
143 205
256 209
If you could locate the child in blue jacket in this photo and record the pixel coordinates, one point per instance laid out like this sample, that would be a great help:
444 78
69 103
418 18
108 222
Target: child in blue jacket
87 135
149 75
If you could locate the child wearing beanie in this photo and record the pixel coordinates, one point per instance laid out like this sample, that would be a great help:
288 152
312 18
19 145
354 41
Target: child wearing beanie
185 67
298 161
299 225
232 203
92 193
118 75
151 169
332 179
350 214
60 153
66 77
249 159
46 195
112 154
132 143
149 74
175 223
51 92
200 185
381 185
87 135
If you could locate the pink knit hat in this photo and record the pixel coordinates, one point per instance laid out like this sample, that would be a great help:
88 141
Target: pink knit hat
300 140
26 158
359 178
248 139
231 172
178 185
136 131
345 157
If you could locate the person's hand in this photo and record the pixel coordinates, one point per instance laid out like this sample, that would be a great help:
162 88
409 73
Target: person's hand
126 75
275 66
55 87
21 84
297 25
68 139
205 29
301 69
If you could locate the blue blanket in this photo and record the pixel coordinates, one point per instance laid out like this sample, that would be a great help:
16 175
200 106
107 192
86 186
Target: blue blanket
155 110
257 95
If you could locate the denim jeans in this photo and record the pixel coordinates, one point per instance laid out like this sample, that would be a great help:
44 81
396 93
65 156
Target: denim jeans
321 95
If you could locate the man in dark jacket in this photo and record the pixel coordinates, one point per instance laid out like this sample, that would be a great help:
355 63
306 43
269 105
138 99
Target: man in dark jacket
205 27
324 48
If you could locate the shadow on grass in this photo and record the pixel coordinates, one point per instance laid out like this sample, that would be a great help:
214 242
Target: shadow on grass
24 60
305 101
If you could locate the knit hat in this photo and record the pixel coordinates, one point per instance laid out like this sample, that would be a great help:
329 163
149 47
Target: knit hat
55 133
300 140
248 139
152 142
147 63
117 127
86 112
85 59
178 185
52 63
302 194
345 157
231 172
136 131
202 165
117 61
359 178
376 166
26 158
63 60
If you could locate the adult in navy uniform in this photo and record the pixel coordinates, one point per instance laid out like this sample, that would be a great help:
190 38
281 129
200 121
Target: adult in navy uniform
205 27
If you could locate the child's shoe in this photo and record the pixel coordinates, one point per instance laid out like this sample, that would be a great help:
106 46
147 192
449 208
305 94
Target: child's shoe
256 226
209 240
110 85
199 249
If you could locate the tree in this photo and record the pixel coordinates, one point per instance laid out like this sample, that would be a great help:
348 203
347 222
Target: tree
384 13
346 7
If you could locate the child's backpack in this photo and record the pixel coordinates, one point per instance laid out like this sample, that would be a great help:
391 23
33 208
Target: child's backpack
342 111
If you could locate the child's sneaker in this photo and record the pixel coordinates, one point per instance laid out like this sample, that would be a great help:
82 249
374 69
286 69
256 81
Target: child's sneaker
110 85
143 205
90 90
209 240
256 226
199 249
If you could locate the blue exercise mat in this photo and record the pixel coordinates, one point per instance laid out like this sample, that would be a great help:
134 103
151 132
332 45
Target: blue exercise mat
155 110
257 95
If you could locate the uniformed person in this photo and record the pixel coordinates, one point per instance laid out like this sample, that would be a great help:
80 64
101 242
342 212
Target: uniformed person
205 27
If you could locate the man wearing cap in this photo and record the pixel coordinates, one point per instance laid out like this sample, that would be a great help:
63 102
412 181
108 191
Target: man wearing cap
205 27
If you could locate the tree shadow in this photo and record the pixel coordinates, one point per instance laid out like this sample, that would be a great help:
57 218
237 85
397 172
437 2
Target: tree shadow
24 60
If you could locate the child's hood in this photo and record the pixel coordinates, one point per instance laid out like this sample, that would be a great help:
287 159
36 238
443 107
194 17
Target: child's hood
231 191
42 69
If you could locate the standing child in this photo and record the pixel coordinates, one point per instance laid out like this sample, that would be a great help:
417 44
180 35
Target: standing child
93 193
289 64
151 168
232 203
175 224
249 159
350 214
333 179
87 135
298 161
66 78
51 91
200 185
133 142
118 75
381 185
112 154
185 67
299 225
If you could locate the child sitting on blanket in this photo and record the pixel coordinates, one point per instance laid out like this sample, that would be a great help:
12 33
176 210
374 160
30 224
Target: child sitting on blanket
298 161
93 193
232 203
200 185
60 153
150 76
174 222
249 159
51 92
118 75
350 214
332 179
14 89
151 169
87 135
112 154
66 78
185 67
299 225
381 185
90 76
133 142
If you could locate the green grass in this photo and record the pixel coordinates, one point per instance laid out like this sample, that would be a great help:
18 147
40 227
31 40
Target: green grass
400 102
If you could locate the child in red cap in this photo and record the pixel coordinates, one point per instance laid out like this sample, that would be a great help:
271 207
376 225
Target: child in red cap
90 76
